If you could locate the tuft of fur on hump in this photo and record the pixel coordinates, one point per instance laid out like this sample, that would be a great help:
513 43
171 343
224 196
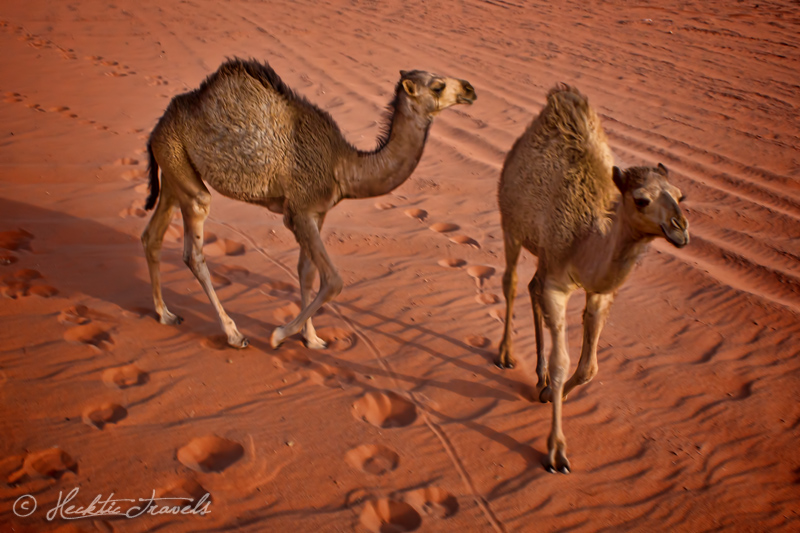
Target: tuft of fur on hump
562 167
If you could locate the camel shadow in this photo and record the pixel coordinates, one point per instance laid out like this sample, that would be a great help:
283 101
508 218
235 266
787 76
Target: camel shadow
82 256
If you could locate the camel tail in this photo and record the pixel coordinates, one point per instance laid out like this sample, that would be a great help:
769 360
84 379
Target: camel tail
152 168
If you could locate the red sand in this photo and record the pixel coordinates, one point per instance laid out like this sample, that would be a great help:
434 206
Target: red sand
692 423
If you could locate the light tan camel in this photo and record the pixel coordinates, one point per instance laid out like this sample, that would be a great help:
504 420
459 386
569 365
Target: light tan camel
251 138
560 198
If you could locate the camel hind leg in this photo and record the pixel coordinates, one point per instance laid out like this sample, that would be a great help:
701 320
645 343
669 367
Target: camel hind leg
152 240
306 271
195 207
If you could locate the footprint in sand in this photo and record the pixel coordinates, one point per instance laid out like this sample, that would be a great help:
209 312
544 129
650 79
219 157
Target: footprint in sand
91 334
443 227
7 258
210 453
384 515
18 285
487 298
282 289
219 281
383 206
498 314
188 490
289 359
108 413
216 342
480 273
126 376
222 247
80 314
463 239
134 175
385 409
373 459
433 501
156 80
46 464
338 339
234 271
451 263
477 341
136 209
16 240
419 214
331 376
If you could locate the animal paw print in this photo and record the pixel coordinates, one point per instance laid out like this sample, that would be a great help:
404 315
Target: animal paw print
116 69
156 80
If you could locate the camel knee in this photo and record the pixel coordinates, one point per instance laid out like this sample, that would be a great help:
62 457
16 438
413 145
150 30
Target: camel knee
583 376
333 287
509 280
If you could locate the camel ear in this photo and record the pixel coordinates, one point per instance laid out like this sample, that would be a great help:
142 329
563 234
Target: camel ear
410 87
403 73
662 168
619 179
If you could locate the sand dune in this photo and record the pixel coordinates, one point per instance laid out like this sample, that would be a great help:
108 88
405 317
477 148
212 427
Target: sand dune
691 424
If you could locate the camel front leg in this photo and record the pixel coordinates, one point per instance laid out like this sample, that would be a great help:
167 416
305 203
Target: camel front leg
330 283
554 307
594 317
512 247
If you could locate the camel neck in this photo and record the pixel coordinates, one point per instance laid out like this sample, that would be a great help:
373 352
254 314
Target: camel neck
607 258
368 174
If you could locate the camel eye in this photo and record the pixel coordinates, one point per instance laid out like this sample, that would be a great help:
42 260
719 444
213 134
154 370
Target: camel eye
641 203
437 88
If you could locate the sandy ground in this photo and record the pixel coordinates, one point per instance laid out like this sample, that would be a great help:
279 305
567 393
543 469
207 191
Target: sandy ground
692 423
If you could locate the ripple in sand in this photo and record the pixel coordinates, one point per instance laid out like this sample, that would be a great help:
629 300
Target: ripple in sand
210 453
385 409
385 515
43 291
452 263
433 501
419 214
125 376
373 459
91 334
463 239
108 413
480 273
444 227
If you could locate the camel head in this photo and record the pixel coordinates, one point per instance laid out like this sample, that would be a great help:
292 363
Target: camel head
651 203
429 93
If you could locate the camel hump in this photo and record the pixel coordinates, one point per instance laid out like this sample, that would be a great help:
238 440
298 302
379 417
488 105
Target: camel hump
252 68
570 112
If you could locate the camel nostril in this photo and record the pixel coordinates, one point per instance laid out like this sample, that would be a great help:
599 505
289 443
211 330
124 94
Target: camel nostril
675 223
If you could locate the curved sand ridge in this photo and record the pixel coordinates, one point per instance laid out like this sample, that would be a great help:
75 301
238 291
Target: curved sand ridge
691 422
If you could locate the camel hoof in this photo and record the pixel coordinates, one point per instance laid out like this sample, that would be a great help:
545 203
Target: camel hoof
315 344
244 342
170 319
561 466
499 363
277 337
